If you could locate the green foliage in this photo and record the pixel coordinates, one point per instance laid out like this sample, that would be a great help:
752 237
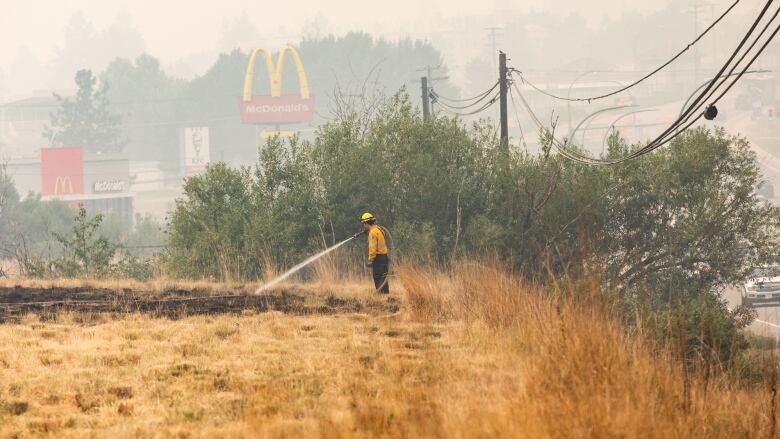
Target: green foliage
87 253
146 238
85 121
135 268
46 240
209 231
690 205
430 174
664 232
26 226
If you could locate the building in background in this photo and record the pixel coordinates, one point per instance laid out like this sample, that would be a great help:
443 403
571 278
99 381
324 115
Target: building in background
100 183
21 125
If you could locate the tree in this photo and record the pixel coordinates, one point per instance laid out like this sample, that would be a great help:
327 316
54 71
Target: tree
212 100
692 204
85 120
445 189
145 96
87 252
661 234
349 62
209 230
83 46
26 227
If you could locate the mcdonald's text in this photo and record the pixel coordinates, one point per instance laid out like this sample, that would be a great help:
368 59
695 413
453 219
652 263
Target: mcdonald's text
277 109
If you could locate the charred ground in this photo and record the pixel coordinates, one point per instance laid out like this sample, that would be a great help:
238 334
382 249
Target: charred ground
47 302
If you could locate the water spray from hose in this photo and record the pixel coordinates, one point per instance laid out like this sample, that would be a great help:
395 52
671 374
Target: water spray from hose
308 261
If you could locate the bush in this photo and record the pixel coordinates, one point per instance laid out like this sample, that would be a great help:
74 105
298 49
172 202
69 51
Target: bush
135 268
87 253
661 232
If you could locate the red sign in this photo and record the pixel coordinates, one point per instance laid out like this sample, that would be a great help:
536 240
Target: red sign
62 171
277 109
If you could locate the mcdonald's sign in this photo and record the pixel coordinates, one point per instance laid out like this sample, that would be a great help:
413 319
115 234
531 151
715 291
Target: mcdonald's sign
276 108
62 171
63 186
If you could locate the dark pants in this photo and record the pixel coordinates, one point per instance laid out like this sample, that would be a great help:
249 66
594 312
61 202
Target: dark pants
379 269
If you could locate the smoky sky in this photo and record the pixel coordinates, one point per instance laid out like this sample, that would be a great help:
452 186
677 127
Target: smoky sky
174 29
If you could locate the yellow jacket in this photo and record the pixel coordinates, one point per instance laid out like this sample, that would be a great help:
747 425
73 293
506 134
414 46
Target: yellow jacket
376 243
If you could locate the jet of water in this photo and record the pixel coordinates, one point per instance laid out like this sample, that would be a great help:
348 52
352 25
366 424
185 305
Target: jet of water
308 261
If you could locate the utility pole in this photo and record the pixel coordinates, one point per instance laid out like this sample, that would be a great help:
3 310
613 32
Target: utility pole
425 97
494 34
503 89
697 8
430 79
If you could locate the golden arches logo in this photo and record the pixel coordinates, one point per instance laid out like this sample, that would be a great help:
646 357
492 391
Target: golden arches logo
61 183
275 72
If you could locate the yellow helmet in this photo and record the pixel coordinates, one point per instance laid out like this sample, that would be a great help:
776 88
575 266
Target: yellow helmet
367 217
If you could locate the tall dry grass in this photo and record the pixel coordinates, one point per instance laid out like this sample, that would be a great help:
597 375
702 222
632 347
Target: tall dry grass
476 351
586 375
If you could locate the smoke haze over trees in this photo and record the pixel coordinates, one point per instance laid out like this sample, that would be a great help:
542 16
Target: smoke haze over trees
535 33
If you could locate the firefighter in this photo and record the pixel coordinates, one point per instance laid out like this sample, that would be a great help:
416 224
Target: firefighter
377 252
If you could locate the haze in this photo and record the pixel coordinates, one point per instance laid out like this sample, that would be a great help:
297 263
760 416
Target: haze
172 66
177 30
300 218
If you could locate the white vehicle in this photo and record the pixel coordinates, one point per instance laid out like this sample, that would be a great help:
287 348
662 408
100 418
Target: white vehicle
762 287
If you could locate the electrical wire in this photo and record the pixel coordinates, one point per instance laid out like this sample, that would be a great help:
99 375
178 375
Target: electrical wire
479 96
731 72
684 120
517 118
484 107
685 104
435 99
673 131
543 128
644 78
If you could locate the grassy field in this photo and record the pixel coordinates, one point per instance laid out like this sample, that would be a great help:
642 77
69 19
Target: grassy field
473 353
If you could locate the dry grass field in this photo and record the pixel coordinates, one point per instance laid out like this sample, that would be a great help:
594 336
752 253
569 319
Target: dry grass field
473 353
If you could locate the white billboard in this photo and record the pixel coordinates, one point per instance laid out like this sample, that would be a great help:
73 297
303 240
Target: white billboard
196 150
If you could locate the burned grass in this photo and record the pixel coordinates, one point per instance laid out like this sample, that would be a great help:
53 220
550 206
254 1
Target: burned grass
48 302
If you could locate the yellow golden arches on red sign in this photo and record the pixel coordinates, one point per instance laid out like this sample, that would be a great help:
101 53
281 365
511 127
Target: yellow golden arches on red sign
63 185
275 72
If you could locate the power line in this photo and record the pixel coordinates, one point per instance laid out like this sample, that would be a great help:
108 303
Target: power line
674 130
688 113
683 121
484 96
517 118
479 96
484 107
644 78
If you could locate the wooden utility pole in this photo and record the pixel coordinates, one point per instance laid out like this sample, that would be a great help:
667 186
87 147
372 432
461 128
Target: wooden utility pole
502 90
425 98
431 80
